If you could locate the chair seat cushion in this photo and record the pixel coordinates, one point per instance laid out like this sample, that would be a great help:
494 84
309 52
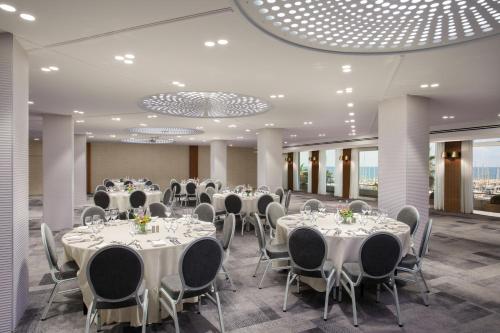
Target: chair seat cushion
327 267
275 250
172 286
68 270
409 261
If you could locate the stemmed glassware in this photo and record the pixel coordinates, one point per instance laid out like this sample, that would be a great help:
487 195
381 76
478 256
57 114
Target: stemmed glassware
114 214
307 210
107 215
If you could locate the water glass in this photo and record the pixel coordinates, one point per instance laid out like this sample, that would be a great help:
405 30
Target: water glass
88 221
195 218
114 214
307 210
107 215
168 211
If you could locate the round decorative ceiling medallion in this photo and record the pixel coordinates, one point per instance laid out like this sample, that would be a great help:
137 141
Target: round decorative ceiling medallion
374 26
204 104
146 140
166 130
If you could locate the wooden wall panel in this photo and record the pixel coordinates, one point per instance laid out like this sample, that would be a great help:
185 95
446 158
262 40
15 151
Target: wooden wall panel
452 178
290 171
346 173
89 168
314 171
193 161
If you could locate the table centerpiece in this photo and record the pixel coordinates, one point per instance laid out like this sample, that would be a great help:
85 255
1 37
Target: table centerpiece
142 221
347 216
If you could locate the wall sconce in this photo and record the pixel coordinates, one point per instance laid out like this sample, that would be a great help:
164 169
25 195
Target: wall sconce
344 158
312 158
451 154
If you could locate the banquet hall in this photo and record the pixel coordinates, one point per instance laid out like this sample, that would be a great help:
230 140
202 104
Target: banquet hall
250 166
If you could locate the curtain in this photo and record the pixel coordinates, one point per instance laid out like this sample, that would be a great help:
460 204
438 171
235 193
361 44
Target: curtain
296 166
322 172
439 177
354 188
466 194
338 173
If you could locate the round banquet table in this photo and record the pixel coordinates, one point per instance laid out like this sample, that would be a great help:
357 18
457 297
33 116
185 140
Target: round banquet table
120 200
343 240
160 259
249 204
137 185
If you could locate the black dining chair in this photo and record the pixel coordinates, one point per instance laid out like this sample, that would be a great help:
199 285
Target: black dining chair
205 198
109 183
101 199
137 199
176 191
190 192
157 209
233 205
115 275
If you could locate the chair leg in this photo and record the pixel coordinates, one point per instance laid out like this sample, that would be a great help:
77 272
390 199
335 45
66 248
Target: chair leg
396 300
145 311
53 294
423 291
378 293
174 316
353 299
288 282
98 321
242 226
263 275
219 309
88 322
229 278
258 264
423 280
327 297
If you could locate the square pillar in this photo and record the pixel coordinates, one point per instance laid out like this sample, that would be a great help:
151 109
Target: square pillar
269 157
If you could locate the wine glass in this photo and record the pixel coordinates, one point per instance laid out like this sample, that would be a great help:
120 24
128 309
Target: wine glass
168 211
96 219
107 215
114 214
194 216
88 221
307 210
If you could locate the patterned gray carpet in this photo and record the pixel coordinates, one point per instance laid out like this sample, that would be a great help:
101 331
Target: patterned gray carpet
462 269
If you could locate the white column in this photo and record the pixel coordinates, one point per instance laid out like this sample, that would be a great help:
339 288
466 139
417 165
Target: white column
218 161
284 181
403 138
80 170
439 177
338 173
467 186
296 169
354 179
322 172
58 171
269 150
14 231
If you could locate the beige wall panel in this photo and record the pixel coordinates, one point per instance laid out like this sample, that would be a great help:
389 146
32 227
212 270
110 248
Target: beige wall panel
203 162
35 168
241 166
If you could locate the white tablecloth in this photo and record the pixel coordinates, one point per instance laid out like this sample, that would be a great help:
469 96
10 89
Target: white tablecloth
137 185
158 262
344 247
249 204
120 200
199 188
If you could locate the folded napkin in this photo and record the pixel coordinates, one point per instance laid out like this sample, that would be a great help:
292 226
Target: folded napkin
73 238
158 243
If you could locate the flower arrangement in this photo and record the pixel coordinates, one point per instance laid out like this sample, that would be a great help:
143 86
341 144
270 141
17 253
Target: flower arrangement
142 220
130 188
248 190
347 215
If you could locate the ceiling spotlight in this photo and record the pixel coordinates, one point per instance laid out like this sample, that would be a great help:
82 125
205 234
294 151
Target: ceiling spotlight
31 102
269 124
353 126
340 91
352 120
53 68
222 42
247 130
128 61
175 83
179 136
36 139
434 85
281 96
424 86
350 105
151 116
78 112
45 69
308 122
27 17
293 135
88 133
182 85
346 68
143 125
452 117
116 119
232 126
273 96
285 142
216 120
351 114
347 121
129 56
444 117
119 58
209 44
112 136
7 8
348 90
321 134
79 121
199 127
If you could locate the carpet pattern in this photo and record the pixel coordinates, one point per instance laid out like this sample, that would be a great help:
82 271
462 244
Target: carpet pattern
462 270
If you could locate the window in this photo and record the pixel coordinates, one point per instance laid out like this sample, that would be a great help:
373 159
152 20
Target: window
303 170
486 175
330 170
368 173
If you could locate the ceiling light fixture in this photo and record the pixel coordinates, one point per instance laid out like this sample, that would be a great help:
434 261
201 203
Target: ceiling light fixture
36 139
78 112
50 69
178 84
293 135
116 119
169 131
209 43
126 59
222 42
351 114
424 86
434 85
7 8
27 17
346 68
112 135
232 126
322 135
308 122
129 56
248 130
31 102
151 116
90 136
143 125
269 124
79 121
88 133
348 90
340 91
350 105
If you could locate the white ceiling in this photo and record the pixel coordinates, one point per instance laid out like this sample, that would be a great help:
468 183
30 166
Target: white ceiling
253 63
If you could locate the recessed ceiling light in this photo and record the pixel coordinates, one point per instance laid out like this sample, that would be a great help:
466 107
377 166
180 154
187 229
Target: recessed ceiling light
232 126
222 42
340 91
119 58
352 120
424 86
182 85
293 135
285 142
351 114
348 90
273 96
269 124
179 136
321 134
78 112
90 136
116 119
129 56
346 68
434 85
45 69
281 96
27 17
79 121
247 130
308 122
347 121
128 61
88 133
350 105
217 120
112 136
143 125
209 43
498 114
175 83
239 137
199 127
452 117
444 117
7 8
353 126
31 102
53 68
36 139
151 116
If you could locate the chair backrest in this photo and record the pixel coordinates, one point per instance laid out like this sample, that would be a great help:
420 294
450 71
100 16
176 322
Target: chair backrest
315 204
263 188
228 231
191 188
233 204
379 255
176 188
273 212
155 187
281 193
148 183
357 206
101 199
100 188
167 196
287 199
91 211
105 180
410 216
205 198
206 212
199 264
218 183
173 180
137 199
210 184
261 236
49 245
128 182
262 203
157 209
210 191
424 244
109 183
115 273
307 248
